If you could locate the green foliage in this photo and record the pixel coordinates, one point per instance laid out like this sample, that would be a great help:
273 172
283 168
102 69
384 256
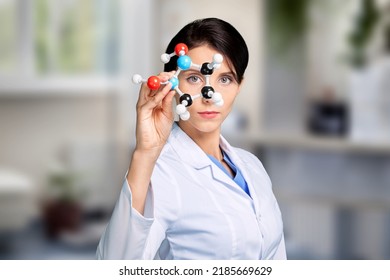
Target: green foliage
41 35
287 22
364 26
63 186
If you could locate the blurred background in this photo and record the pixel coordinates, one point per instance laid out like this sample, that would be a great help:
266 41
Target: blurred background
315 108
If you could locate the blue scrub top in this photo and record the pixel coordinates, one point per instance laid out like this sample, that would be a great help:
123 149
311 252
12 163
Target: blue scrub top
238 178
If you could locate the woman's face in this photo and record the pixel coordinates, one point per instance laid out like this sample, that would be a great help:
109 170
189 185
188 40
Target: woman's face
205 116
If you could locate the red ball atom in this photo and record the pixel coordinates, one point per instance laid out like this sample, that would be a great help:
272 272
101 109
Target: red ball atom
181 48
154 82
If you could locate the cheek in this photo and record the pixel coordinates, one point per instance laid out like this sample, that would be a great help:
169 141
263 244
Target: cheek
228 97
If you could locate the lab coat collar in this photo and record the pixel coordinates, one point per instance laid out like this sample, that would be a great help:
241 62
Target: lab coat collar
189 152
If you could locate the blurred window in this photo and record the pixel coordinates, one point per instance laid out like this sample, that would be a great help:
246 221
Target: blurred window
76 36
59 37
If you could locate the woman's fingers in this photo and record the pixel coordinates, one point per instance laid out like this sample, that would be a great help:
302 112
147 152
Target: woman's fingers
156 99
146 94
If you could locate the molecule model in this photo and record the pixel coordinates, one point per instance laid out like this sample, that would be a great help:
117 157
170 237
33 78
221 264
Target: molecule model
184 63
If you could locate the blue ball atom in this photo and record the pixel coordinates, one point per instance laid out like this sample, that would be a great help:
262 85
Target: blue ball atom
174 81
184 62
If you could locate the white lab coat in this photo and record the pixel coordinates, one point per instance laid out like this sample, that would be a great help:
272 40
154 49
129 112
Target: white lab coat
195 211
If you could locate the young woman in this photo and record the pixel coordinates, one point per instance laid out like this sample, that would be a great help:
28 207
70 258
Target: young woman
188 194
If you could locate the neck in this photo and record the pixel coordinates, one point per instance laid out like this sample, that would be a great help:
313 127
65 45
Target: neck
207 141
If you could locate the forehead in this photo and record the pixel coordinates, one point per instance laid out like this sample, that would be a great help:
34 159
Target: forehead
202 54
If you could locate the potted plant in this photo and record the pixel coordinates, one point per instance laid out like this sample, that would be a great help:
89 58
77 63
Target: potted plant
62 208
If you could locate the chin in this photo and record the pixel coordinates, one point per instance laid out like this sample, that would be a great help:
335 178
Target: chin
204 126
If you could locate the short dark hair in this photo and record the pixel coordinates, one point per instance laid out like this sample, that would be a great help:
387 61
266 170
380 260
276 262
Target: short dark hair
218 34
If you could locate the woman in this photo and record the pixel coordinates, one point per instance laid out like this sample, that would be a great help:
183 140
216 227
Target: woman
188 194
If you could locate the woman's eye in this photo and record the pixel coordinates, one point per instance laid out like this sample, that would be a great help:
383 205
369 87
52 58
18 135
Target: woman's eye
194 79
226 80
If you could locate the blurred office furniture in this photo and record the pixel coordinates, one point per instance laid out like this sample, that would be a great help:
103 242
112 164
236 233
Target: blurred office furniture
327 116
17 205
16 200
334 195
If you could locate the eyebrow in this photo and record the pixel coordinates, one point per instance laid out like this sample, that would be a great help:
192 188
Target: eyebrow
191 71
227 73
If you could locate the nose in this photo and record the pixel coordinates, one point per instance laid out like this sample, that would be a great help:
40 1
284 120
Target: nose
206 100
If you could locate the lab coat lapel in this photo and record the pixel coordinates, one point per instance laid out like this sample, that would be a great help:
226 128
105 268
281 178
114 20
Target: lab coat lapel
186 149
236 160
189 152
242 167
220 176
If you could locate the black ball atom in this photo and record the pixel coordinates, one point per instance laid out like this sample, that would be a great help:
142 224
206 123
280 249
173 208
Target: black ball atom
186 97
206 90
205 70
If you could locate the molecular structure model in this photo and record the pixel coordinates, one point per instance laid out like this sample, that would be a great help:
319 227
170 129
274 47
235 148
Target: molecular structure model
184 62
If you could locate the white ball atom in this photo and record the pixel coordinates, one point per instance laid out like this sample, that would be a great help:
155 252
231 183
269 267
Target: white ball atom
185 116
219 103
218 58
181 109
137 79
165 58
216 97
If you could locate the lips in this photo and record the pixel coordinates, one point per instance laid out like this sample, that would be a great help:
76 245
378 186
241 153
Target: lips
208 114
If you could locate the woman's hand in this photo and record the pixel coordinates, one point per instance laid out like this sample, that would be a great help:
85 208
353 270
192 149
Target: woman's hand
154 117
154 123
